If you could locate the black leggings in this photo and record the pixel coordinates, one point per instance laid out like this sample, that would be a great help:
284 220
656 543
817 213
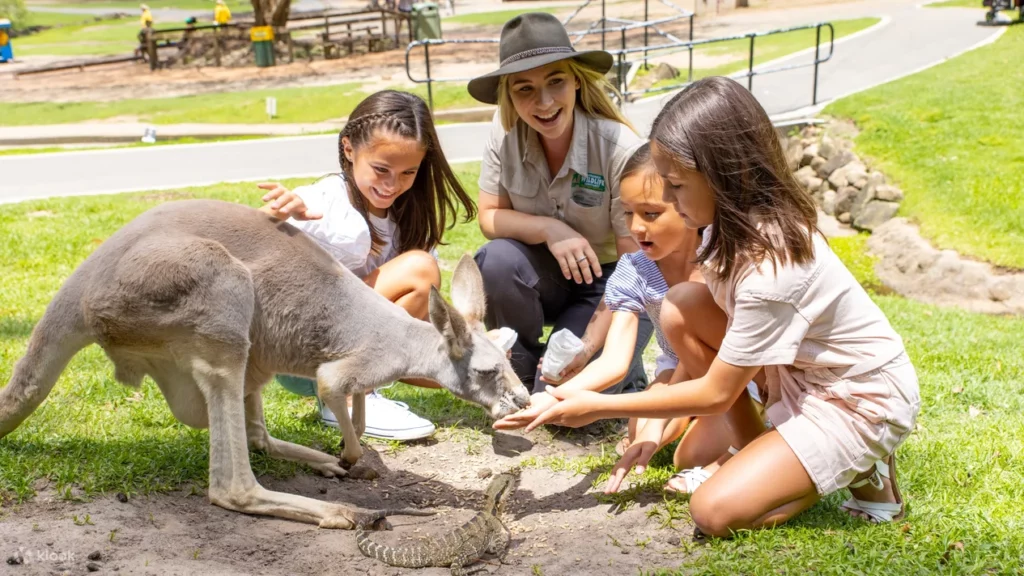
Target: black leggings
526 291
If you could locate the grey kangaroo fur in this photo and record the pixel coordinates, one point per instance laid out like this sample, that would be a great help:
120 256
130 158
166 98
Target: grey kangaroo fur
211 299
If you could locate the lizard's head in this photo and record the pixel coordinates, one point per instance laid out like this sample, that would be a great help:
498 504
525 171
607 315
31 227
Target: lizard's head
485 376
500 490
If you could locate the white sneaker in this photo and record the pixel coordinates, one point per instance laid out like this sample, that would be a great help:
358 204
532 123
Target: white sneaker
385 419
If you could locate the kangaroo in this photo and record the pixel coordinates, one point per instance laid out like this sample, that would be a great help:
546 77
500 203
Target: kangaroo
211 299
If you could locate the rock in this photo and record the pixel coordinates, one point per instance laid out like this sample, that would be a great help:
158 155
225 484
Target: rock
828 202
664 72
673 540
16 560
860 200
844 199
825 187
805 172
809 153
827 148
97 555
122 497
842 176
875 214
836 162
93 567
1000 289
889 193
484 473
859 183
817 162
876 178
794 155
844 218
814 184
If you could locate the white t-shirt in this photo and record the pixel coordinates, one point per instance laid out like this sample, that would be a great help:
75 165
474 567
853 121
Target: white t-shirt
342 231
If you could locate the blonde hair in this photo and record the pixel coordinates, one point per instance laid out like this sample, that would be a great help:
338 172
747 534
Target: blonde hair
593 96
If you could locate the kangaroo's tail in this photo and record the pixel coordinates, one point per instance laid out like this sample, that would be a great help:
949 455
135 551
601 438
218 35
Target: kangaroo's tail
58 336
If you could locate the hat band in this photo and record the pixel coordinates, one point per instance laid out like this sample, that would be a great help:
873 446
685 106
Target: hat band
536 52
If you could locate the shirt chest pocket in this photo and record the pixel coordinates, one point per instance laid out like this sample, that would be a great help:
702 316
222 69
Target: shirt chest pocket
523 189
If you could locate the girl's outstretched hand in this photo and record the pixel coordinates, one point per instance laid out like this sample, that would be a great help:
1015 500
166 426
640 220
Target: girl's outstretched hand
285 204
637 455
539 403
577 408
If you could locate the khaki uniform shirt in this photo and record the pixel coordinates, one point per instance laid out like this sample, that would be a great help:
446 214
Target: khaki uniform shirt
585 192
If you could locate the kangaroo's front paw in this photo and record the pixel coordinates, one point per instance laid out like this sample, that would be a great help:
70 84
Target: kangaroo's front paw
330 469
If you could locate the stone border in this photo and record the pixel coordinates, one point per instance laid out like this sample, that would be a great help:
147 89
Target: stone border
846 188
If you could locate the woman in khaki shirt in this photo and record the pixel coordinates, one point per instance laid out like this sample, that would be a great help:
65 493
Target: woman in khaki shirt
549 198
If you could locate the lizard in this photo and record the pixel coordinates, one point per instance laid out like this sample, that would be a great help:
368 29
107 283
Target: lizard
484 533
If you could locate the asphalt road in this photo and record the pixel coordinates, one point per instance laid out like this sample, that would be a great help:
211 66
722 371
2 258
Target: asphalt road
910 39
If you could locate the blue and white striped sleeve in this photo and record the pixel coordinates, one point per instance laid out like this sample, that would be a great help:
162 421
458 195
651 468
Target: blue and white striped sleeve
624 291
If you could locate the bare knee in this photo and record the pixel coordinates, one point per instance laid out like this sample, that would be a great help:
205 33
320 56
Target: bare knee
683 303
714 512
422 269
692 454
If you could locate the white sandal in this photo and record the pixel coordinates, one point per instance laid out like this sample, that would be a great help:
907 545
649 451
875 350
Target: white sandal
878 512
693 477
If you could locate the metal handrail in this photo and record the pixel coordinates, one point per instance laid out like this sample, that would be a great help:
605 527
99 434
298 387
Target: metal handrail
621 54
750 72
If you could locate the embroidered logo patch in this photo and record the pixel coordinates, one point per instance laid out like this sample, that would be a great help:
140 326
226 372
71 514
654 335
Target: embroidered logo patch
590 182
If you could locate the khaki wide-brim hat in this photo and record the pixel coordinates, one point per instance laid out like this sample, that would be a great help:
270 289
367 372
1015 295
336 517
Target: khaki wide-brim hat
530 41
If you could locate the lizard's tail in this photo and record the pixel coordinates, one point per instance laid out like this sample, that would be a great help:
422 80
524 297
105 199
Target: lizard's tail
401 557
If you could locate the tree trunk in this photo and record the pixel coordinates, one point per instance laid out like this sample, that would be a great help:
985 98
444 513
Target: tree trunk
271 12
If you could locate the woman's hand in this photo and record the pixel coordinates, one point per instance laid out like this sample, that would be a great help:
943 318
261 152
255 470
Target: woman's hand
638 454
573 253
539 403
285 204
574 367
577 408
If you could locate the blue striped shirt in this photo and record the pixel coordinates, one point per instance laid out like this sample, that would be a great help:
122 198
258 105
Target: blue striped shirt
637 286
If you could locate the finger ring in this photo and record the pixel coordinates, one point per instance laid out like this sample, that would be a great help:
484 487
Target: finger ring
581 258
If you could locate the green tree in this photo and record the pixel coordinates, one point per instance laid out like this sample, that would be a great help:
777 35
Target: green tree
266 12
14 10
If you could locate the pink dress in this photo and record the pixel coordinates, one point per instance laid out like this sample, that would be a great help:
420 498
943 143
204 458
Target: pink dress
841 390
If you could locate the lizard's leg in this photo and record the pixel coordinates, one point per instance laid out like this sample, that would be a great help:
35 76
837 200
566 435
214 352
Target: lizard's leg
259 438
499 544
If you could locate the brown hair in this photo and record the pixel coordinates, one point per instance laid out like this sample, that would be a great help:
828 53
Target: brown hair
432 204
640 164
717 128
593 96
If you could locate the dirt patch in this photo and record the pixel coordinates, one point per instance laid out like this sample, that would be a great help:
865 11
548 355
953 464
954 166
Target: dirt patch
912 267
558 524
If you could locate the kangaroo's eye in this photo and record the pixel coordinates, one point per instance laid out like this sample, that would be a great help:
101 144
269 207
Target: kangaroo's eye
486 374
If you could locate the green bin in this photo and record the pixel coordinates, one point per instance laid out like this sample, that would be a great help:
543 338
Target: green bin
426 21
263 45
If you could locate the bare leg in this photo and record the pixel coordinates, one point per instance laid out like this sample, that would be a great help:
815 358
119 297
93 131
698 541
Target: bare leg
695 326
738 497
868 493
406 280
260 439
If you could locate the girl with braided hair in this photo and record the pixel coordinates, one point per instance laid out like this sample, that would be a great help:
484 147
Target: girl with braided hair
381 217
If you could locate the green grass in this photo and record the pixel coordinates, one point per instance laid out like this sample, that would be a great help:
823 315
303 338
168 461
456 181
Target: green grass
950 137
104 38
956 4
36 18
310 104
766 48
498 18
962 475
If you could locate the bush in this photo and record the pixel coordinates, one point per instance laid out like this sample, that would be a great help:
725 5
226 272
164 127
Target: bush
14 10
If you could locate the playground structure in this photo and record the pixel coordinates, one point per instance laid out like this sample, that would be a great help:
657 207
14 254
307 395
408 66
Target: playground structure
629 60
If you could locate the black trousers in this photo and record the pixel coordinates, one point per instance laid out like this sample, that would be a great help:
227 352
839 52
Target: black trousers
526 291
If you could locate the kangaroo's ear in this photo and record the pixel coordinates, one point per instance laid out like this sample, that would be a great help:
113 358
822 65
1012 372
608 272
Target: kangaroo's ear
450 324
468 290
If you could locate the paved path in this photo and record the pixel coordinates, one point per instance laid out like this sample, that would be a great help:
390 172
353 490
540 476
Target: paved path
913 38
